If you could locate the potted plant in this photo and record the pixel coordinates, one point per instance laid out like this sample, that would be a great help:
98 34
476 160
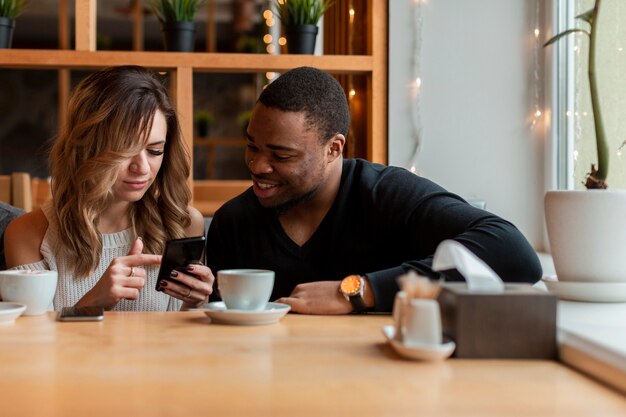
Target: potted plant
177 22
244 119
204 120
584 226
300 18
9 11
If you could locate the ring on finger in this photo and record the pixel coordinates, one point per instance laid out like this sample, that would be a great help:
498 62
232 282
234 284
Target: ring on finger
132 271
189 293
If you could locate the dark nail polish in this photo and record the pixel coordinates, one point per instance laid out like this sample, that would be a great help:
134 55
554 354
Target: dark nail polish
174 274
163 284
190 268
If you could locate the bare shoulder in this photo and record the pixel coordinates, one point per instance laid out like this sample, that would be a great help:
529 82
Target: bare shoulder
196 228
23 238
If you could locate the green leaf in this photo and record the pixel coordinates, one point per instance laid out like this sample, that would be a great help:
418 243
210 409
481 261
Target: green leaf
301 12
587 16
560 35
11 9
176 10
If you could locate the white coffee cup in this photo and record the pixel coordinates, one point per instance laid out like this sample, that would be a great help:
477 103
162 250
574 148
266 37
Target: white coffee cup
398 313
417 321
245 289
33 288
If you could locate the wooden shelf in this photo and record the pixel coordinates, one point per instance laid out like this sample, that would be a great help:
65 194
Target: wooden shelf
368 94
209 195
212 142
199 61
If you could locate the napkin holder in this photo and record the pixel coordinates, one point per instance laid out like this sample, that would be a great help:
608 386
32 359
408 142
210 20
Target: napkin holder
518 323
491 319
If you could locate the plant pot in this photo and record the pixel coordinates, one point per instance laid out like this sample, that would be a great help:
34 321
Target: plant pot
301 39
7 26
587 233
203 128
179 36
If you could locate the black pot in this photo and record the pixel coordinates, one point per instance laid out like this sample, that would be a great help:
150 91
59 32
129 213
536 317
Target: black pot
179 36
301 39
6 32
203 128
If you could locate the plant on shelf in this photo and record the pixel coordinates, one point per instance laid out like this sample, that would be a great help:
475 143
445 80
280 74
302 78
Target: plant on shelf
177 22
244 119
204 120
176 10
300 18
9 11
597 177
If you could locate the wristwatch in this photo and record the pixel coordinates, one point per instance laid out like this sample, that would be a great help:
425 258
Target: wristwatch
352 288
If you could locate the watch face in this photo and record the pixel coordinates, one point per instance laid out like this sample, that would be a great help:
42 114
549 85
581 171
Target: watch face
351 285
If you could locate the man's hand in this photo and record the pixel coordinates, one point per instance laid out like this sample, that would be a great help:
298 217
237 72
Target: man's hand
322 297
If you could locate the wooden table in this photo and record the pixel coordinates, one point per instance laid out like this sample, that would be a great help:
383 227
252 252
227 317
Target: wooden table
164 364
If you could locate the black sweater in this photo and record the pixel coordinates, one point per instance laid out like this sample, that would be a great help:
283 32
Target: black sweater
383 222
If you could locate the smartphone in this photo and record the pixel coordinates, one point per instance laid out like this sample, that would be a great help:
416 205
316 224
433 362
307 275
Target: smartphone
178 254
81 314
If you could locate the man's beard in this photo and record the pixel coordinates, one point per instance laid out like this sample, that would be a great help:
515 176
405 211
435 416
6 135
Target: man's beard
287 206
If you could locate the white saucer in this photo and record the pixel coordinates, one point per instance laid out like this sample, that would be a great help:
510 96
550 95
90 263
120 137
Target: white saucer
418 351
218 313
10 311
599 292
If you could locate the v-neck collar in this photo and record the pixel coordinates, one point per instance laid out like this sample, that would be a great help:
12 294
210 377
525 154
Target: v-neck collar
325 224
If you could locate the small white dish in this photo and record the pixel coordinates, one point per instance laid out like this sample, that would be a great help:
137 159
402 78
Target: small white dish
218 313
418 351
10 311
598 292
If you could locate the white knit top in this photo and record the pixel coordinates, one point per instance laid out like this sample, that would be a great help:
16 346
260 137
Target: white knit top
71 289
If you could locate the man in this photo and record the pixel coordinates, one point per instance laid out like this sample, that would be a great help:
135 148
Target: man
319 220
7 214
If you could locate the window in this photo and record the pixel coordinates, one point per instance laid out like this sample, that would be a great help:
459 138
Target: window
573 122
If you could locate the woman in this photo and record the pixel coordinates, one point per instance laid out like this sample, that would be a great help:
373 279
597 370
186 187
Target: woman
119 192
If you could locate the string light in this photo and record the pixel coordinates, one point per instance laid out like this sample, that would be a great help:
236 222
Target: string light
536 111
415 86
577 102
271 39
351 146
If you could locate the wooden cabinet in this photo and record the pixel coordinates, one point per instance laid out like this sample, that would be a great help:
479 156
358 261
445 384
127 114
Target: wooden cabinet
369 66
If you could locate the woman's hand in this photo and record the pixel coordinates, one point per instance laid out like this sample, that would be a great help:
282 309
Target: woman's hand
123 279
193 287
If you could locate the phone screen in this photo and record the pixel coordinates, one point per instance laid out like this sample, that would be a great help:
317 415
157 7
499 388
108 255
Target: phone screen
81 314
178 254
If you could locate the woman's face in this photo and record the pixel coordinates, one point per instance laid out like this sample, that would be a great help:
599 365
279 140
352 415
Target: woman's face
136 174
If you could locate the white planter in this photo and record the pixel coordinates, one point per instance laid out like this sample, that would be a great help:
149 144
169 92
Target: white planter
587 233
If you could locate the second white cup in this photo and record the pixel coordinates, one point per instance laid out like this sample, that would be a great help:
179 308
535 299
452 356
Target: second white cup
245 289
417 321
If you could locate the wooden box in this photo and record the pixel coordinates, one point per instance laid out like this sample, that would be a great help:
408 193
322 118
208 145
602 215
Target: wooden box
518 323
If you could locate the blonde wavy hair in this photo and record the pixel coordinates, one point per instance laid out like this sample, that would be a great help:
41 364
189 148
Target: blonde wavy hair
110 116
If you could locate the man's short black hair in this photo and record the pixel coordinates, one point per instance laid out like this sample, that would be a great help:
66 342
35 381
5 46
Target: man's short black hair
314 92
